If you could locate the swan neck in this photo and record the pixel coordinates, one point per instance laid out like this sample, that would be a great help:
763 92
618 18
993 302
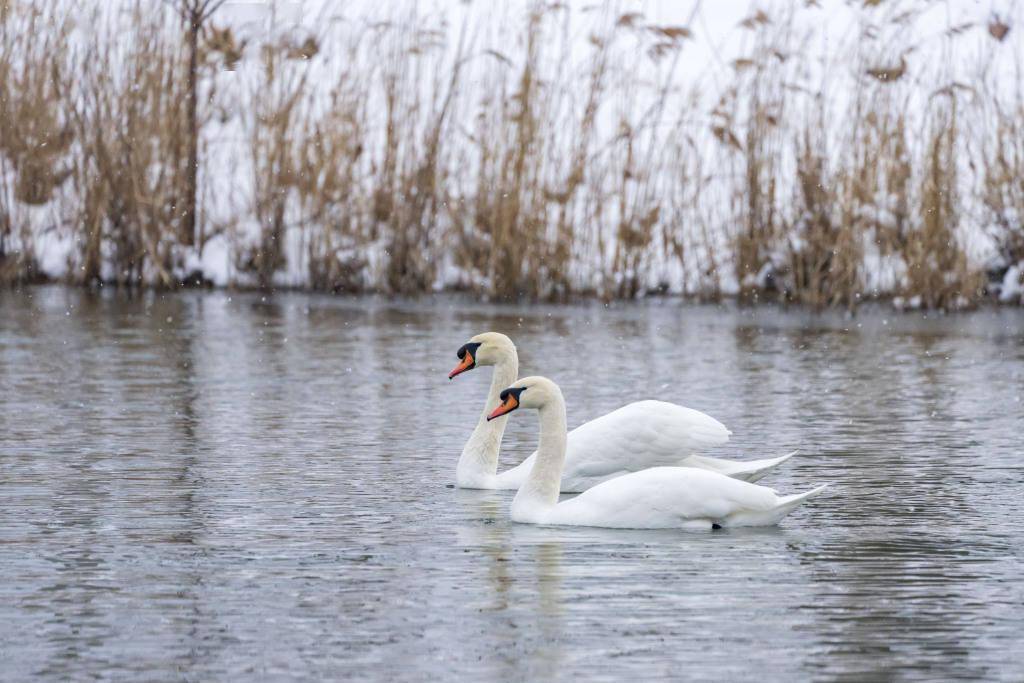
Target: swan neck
479 460
541 488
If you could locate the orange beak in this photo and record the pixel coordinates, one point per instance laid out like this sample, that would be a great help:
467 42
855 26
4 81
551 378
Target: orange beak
508 406
467 363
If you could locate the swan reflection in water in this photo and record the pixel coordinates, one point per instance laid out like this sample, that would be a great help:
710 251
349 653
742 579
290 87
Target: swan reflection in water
519 569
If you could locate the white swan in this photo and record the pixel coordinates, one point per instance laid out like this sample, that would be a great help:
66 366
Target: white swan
635 437
656 498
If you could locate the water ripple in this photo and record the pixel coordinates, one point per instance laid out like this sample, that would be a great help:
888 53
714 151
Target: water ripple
216 486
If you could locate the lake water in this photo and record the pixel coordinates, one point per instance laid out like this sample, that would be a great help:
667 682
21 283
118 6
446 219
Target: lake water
212 486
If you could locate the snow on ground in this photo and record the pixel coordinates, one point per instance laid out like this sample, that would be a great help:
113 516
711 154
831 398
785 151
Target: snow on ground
705 67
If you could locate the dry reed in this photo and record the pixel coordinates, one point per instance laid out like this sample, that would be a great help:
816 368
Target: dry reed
428 158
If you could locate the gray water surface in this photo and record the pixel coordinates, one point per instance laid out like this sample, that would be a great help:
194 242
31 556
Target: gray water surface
215 486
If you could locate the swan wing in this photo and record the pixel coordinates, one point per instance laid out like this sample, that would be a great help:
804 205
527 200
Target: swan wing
635 437
638 436
664 497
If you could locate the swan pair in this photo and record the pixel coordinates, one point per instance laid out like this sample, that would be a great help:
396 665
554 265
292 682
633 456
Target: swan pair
634 465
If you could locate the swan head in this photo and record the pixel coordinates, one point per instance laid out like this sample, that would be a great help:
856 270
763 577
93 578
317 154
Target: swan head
529 392
489 348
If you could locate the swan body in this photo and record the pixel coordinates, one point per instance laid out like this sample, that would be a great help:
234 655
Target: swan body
668 498
637 436
657 498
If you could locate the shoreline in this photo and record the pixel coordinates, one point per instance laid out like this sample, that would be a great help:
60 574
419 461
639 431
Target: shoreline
868 306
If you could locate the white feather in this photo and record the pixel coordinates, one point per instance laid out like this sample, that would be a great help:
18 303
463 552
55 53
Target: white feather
635 437
661 497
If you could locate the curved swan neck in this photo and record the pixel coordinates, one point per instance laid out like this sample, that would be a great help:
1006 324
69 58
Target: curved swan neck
479 460
540 490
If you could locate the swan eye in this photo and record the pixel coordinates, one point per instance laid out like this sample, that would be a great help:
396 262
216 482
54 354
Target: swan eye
469 348
509 402
467 359
513 392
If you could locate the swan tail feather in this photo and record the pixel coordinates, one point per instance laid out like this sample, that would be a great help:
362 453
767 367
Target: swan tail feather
774 515
749 470
755 469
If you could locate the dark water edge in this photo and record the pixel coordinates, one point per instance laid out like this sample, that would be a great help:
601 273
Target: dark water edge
216 485
772 299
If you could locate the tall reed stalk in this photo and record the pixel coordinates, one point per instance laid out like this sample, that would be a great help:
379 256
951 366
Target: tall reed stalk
543 155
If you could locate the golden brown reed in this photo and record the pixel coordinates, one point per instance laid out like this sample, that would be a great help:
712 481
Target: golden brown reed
535 171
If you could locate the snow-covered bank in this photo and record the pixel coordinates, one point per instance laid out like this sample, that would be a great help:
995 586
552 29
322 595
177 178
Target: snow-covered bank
823 154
